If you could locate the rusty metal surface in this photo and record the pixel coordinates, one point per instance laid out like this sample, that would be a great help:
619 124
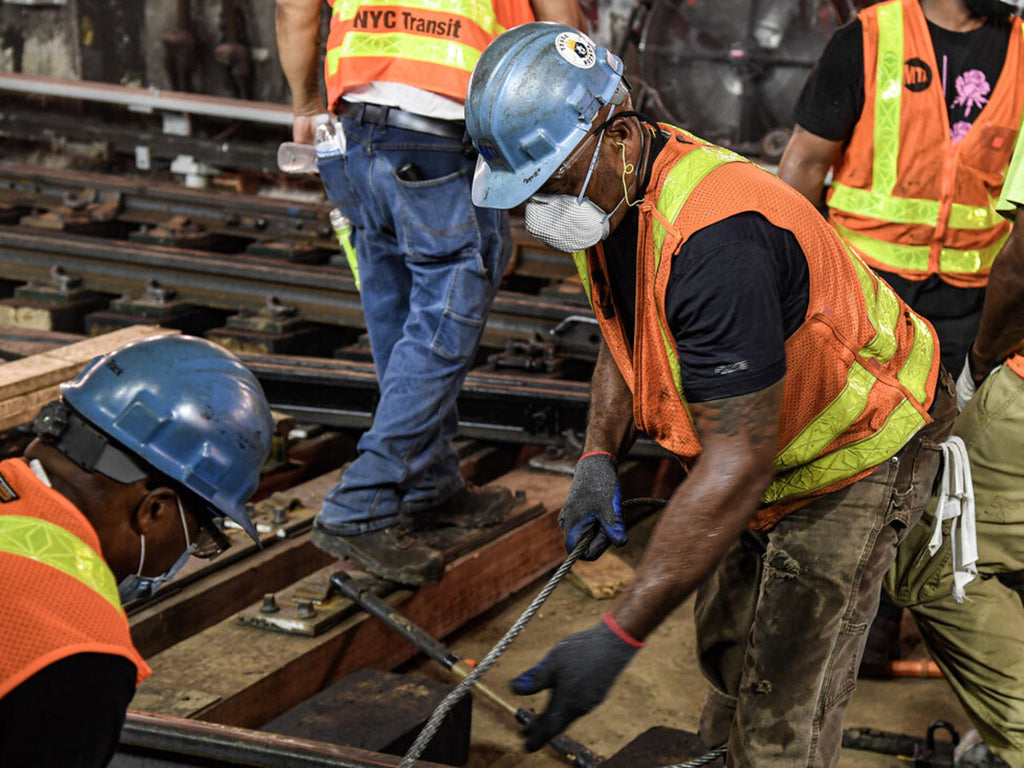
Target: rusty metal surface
148 737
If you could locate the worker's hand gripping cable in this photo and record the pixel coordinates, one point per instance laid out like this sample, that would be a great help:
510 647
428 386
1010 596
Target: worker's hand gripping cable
594 504
956 503
580 671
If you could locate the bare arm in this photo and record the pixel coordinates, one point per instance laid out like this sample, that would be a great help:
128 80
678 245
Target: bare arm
806 162
610 419
1002 319
298 48
709 509
561 11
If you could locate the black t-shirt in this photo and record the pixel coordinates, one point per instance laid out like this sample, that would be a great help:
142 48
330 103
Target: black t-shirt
738 289
969 66
67 715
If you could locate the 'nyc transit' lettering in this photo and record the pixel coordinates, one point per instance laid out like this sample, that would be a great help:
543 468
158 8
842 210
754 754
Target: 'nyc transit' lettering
369 18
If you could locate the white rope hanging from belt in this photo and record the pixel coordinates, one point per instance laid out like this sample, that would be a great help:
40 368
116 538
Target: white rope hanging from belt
956 503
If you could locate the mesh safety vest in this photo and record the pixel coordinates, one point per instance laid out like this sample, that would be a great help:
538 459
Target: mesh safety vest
59 596
861 368
430 45
907 197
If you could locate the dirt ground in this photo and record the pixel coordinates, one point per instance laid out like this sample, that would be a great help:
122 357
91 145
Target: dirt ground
662 686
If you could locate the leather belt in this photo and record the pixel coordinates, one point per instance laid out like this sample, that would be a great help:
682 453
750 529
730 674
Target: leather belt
380 115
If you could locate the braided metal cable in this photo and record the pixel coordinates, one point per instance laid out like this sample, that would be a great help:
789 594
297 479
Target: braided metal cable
449 701
704 759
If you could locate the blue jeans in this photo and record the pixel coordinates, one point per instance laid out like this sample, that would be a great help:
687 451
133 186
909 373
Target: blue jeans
429 264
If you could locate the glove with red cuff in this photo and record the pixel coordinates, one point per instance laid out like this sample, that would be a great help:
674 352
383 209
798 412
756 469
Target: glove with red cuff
579 670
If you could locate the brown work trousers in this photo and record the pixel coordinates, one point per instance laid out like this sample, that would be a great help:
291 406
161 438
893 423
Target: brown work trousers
782 622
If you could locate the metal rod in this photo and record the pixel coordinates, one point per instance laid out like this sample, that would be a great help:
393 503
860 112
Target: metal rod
146 732
358 593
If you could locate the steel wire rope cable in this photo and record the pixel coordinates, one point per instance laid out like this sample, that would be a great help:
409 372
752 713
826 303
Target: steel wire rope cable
434 723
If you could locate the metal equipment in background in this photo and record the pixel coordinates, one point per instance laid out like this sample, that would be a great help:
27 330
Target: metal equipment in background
730 71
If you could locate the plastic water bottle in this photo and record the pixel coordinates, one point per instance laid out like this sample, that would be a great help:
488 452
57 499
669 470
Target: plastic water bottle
293 157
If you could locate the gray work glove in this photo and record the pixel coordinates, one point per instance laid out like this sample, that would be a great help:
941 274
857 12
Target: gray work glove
594 504
579 670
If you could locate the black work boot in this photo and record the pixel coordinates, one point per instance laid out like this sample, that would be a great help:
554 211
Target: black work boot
390 553
472 506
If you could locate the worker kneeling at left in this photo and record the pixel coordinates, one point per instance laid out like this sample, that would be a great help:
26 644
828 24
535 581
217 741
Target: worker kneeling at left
130 467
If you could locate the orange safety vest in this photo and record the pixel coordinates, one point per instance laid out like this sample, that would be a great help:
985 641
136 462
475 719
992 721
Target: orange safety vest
904 195
415 42
60 597
1015 363
861 368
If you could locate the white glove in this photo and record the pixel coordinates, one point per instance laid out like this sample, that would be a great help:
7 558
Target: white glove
965 386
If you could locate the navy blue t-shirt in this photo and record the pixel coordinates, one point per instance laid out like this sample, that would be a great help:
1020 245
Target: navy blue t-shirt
738 289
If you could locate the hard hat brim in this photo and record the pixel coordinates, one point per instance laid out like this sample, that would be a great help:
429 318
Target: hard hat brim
505 189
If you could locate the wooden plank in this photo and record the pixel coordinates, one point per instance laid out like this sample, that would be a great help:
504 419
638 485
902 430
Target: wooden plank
20 377
23 408
603 578
257 675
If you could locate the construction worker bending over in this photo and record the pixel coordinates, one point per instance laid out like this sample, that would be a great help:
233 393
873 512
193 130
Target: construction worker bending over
979 642
805 399
131 465
429 263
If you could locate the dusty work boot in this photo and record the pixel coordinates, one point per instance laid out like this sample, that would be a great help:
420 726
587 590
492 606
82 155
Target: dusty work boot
390 553
472 506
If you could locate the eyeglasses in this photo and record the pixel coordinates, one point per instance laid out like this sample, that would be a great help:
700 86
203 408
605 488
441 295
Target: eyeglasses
210 541
568 163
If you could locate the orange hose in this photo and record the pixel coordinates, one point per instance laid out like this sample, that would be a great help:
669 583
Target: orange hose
913 668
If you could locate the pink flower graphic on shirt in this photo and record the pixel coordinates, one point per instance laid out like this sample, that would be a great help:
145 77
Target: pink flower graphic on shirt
971 90
959 130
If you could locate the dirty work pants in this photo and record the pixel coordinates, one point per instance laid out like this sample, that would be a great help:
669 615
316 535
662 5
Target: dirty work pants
781 622
979 644
429 266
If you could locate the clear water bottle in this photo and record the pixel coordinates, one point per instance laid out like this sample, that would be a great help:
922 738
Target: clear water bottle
293 157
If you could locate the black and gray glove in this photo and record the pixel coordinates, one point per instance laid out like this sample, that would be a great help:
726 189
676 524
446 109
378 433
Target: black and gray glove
594 503
579 670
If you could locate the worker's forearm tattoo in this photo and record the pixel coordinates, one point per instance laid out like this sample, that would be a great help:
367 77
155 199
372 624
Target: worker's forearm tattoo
754 416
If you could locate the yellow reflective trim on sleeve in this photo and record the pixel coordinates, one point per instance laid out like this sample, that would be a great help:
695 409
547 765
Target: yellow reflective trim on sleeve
902 424
410 47
914 373
48 543
480 11
888 98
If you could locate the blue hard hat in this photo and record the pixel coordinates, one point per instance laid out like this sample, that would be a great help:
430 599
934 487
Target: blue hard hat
532 99
188 408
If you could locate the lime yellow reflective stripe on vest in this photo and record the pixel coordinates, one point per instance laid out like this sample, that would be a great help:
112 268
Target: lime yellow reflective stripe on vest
908 210
579 258
888 98
410 45
915 257
904 421
797 470
679 183
57 547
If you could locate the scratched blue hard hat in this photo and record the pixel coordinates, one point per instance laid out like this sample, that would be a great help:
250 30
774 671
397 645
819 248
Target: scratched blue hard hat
188 408
532 99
